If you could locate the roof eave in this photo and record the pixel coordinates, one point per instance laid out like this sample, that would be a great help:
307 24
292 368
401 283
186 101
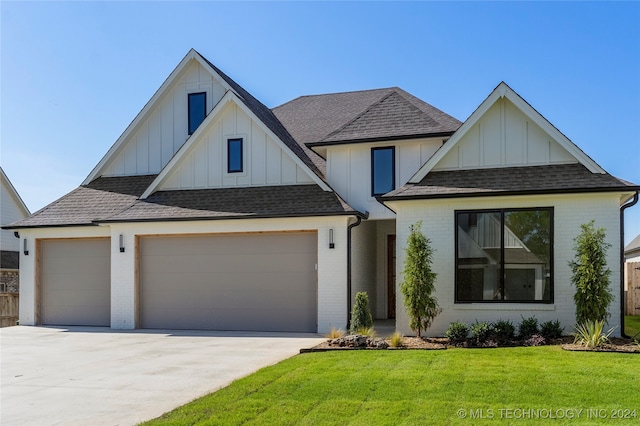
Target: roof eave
380 139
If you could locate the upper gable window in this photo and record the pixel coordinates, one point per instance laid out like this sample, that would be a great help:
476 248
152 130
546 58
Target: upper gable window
234 155
383 170
197 110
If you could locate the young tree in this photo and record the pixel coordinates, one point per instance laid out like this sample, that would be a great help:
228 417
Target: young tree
418 284
361 314
591 275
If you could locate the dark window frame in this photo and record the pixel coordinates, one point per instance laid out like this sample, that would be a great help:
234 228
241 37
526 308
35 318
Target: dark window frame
502 212
393 169
241 168
190 126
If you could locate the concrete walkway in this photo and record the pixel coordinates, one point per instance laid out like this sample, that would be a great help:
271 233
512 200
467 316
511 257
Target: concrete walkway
99 376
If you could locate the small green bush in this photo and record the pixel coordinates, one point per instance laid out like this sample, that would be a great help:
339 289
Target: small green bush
528 327
551 330
504 330
457 331
591 334
396 340
481 331
361 315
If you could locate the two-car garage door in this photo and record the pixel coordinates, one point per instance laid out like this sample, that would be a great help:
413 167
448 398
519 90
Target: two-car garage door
260 282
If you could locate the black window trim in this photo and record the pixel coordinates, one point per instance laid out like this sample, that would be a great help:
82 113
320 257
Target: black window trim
189 129
551 255
393 168
241 169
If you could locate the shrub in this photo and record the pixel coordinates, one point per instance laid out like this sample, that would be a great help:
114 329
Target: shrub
528 327
361 315
481 331
504 330
396 340
591 275
335 333
551 329
457 331
591 334
418 284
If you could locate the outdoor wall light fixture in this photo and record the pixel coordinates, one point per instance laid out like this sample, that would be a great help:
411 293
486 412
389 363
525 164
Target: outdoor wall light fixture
121 243
331 244
25 249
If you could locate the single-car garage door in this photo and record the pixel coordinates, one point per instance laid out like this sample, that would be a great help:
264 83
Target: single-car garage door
259 282
75 279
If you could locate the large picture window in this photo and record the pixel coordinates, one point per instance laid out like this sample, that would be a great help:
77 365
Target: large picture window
382 170
504 255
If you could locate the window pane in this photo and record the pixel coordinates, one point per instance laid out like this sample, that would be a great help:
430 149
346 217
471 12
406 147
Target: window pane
527 255
478 256
197 110
382 162
234 151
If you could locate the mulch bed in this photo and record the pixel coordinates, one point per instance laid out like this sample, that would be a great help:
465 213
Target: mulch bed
618 345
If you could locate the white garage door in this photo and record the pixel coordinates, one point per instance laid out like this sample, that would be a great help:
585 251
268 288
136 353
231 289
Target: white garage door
75 277
259 282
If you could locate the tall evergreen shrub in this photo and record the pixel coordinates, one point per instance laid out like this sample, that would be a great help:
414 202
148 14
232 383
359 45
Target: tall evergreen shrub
419 280
591 275
361 314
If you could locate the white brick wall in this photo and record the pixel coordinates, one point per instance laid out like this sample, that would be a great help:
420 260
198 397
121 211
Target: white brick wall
570 211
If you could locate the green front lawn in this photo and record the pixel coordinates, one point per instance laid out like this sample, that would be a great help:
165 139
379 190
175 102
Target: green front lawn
427 387
632 326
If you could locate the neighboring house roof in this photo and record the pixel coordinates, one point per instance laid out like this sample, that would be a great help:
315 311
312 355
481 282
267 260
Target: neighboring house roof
633 248
362 116
236 203
12 190
9 259
556 178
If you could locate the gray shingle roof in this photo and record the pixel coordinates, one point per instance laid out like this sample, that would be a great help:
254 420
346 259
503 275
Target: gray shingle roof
633 246
557 178
271 121
236 203
98 200
362 116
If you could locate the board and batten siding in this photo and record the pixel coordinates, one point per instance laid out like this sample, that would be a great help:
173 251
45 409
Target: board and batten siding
159 135
570 211
504 137
10 211
264 162
349 170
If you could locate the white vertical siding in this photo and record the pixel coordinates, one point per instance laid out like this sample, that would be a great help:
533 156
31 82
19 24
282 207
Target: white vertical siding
349 170
10 211
504 137
570 211
205 166
156 139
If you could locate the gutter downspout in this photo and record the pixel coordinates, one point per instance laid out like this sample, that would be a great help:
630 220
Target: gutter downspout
349 228
622 304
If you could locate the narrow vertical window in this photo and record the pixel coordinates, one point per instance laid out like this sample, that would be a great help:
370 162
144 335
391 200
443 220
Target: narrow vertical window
382 170
234 155
197 110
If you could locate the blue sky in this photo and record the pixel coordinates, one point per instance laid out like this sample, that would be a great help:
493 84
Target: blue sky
74 74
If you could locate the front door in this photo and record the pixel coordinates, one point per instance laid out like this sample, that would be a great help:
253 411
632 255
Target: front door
391 276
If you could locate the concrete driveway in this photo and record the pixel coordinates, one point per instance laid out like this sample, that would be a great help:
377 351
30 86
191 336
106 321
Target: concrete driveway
99 376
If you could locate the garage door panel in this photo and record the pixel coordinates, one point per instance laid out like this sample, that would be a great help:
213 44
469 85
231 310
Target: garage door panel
75 282
230 282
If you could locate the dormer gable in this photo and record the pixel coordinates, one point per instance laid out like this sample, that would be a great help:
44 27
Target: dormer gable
163 125
504 132
233 148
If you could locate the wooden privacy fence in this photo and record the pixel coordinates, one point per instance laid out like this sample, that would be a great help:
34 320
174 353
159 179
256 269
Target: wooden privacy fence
632 274
8 309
